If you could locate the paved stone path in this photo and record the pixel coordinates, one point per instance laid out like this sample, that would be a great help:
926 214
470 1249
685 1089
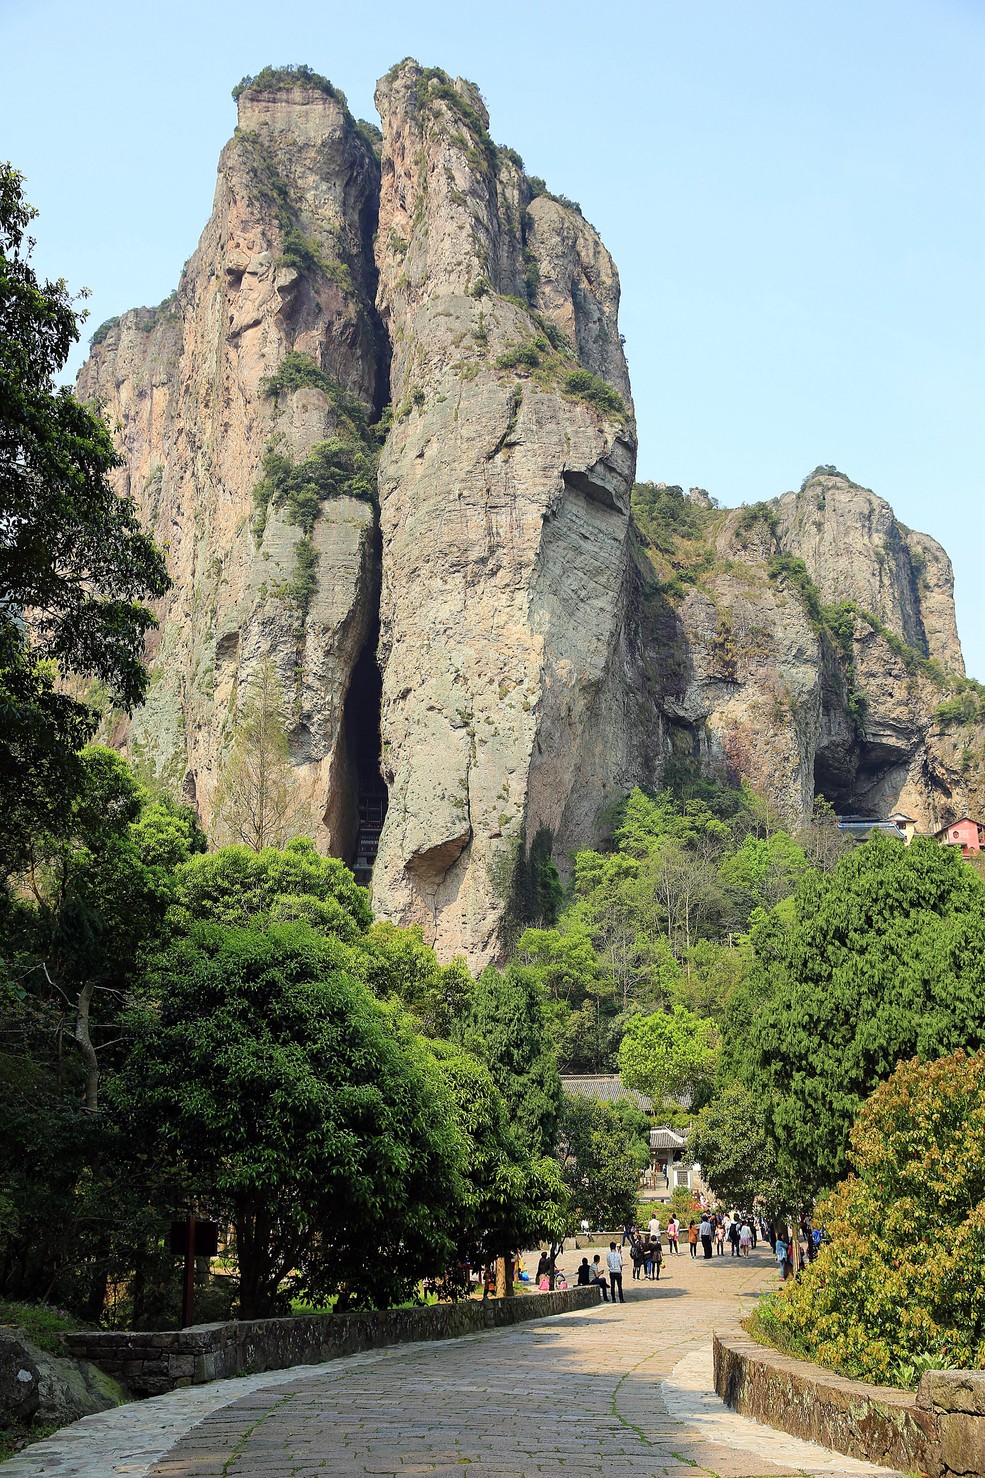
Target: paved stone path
623 1390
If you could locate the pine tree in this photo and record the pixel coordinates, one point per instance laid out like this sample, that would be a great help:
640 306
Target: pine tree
256 799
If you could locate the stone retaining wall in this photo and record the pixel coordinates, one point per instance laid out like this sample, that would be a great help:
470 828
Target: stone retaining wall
938 1431
150 1363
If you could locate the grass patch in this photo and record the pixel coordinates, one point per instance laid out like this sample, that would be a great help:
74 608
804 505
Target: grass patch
14 1439
42 1323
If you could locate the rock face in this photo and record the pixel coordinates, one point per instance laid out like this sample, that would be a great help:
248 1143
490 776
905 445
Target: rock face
465 624
40 1387
504 505
283 268
808 645
502 546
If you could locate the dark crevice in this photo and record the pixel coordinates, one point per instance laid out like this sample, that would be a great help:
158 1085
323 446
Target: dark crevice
361 729
369 220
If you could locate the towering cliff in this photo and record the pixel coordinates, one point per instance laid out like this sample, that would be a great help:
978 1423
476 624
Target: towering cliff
384 429
808 644
261 372
249 407
504 505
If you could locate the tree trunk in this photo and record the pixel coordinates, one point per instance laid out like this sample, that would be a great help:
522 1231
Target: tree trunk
501 1277
83 1041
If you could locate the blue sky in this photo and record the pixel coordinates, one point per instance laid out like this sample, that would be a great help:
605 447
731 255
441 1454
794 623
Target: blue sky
792 189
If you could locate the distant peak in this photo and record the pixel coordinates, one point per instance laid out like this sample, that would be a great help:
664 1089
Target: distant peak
288 79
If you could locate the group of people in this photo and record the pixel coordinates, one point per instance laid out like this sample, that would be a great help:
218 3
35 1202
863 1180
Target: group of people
646 1247
718 1227
646 1253
595 1272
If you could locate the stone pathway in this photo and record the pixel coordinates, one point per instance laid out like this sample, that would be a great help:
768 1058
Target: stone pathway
620 1390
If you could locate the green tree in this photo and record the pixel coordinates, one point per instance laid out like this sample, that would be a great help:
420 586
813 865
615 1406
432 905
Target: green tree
74 564
256 798
602 1158
504 1024
93 895
91 900
737 1158
670 1054
513 1198
896 1289
242 887
277 1087
883 959
396 963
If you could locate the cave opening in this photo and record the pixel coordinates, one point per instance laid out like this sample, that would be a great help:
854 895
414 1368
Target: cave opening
834 779
363 747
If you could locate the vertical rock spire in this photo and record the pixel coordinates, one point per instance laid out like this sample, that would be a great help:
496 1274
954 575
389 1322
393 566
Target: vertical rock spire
504 500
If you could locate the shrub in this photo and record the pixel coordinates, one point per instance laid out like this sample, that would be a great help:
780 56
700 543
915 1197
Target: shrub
296 371
281 78
333 469
586 386
519 356
898 1286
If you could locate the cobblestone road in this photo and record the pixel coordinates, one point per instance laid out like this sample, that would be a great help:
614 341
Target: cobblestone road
621 1391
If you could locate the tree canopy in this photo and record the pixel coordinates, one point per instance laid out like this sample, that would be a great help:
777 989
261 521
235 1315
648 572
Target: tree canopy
284 1093
74 563
896 1288
884 959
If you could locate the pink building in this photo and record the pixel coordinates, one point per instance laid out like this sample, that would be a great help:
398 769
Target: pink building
965 833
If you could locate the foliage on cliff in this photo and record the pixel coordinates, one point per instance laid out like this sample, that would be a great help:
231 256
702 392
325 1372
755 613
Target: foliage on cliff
897 1288
656 923
281 79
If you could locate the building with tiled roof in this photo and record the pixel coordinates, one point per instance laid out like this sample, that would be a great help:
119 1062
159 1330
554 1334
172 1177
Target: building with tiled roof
605 1088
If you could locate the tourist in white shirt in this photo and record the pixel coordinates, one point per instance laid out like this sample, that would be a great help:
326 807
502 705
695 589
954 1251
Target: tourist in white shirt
614 1262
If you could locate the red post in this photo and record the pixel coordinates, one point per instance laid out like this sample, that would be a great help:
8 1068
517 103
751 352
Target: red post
189 1288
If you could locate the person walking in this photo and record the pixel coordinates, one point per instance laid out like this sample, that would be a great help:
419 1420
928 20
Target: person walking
733 1235
781 1254
692 1238
720 1235
673 1231
745 1239
706 1232
614 1261
596 1275
658 1258
638 1255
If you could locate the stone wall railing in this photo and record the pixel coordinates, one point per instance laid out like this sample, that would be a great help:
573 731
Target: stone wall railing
938 1431
149 1363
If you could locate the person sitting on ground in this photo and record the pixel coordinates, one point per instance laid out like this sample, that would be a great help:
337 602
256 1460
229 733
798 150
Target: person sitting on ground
596 1275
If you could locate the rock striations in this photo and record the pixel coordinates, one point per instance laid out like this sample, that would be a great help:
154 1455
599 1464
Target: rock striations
384 428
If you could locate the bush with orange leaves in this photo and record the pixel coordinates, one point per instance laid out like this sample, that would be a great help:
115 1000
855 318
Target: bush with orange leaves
899 1289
